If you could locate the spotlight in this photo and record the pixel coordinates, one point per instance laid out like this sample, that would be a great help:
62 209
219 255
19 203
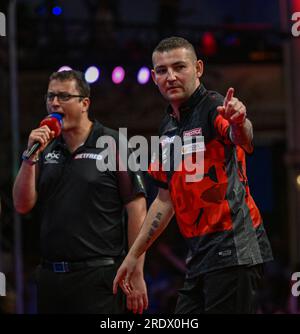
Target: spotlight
56 10
208 44
118 75
143 75
92 74
64 68
298 180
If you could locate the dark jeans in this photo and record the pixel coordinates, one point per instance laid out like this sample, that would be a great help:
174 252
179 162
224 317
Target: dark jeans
84 291
227 291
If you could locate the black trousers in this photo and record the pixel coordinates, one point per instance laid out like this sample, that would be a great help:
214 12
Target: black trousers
88 291
227 291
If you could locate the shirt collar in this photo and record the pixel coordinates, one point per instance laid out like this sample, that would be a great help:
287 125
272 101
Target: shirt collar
188 105
96 132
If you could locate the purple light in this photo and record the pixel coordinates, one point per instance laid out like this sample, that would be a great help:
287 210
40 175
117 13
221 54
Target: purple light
143 75
118 75
92 74
64 68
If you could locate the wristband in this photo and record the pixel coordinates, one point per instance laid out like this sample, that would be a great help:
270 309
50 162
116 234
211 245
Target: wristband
27 160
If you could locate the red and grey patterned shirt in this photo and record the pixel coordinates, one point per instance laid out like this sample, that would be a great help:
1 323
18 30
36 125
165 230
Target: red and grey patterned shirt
216 214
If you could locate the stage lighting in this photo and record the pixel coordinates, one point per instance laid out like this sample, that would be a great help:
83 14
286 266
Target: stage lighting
92 74
143 75
64 68
118 75
56 10
208 44
298 180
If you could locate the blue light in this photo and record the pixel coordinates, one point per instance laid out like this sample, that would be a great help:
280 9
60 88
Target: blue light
56 10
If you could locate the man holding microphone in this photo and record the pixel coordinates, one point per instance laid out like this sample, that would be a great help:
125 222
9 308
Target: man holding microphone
81 209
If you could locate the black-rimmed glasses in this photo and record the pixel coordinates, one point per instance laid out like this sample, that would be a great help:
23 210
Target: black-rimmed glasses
62 97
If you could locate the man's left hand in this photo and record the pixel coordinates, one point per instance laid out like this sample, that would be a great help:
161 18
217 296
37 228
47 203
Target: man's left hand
137 300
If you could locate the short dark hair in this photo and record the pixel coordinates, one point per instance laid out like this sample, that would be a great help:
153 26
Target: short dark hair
81 84
172 43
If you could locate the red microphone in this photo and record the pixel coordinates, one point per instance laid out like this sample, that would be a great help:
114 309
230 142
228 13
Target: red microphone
54 122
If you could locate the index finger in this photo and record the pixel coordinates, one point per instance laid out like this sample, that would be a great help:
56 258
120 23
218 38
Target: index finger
228 96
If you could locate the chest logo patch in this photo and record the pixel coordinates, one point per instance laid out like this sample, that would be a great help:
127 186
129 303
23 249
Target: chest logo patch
193 132
193 148
52 157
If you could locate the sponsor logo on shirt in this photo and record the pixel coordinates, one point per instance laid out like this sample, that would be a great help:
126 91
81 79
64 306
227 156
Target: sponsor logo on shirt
193 148
91 156
193 132
52 157
224 253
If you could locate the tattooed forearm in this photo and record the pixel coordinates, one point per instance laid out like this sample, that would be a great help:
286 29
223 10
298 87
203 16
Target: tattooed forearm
154 226
242 134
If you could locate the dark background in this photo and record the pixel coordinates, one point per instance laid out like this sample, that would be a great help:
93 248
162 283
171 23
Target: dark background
241 43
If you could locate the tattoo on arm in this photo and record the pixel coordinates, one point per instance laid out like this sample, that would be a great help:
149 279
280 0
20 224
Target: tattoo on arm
242 134
154 226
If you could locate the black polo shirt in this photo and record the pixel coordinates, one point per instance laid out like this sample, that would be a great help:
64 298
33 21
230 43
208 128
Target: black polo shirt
81 209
